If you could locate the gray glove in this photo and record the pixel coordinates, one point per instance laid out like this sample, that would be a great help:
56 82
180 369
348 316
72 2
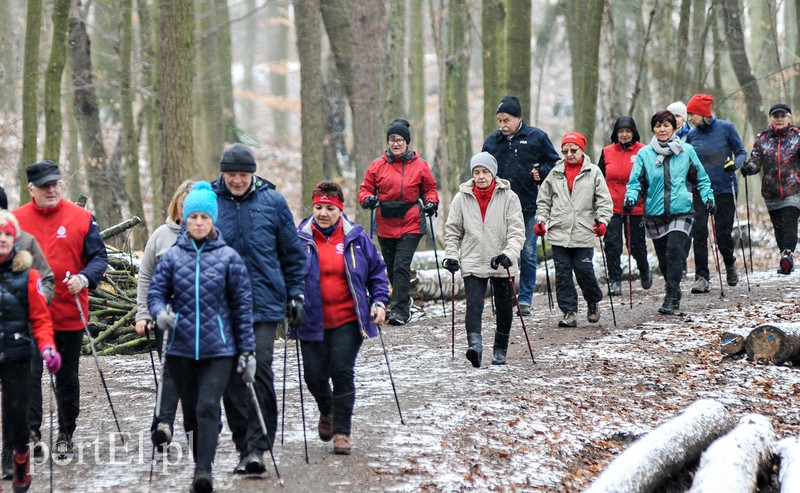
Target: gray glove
246 367
165 320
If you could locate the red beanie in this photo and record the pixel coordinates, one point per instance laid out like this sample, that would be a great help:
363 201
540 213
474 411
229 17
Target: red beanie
575 138
700 104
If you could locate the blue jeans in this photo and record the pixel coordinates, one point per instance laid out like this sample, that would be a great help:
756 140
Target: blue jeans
527 264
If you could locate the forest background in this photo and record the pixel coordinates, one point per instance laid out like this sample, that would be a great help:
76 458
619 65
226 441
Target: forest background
131 97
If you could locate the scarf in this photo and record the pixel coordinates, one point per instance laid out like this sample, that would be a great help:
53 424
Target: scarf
668 148
484 196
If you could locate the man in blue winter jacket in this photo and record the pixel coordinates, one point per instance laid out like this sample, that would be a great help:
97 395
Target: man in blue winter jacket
721 152
255 220
524 157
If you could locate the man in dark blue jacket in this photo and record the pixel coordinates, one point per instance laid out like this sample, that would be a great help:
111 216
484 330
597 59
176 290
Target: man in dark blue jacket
524 157
255 220
721 152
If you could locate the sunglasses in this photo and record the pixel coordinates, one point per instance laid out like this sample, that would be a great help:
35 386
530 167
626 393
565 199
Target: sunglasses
569 151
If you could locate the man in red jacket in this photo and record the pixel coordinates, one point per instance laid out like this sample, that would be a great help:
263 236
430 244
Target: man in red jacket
71 242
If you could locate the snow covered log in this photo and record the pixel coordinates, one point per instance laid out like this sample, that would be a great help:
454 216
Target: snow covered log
774 343
652 459
788 450
734 462
731 343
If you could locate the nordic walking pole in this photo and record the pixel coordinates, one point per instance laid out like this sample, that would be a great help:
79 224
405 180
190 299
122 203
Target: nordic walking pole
150 350
438 271
547 276
453 316
283 398
741 237
52 391
608 285
716 255
749 238
159 393
252 391
300 384
391 379
519 312
97 362
371 223
630 272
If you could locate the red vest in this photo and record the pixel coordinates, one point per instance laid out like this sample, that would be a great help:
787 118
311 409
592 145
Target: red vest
619 164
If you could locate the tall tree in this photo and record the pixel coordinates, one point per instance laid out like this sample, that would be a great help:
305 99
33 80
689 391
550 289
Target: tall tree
7 55
493 20
416 75
336 14
396 75
30 82
52 81
249 58
208 112
518 58
177 39
225 62
459 141
151 76
680 79
277 55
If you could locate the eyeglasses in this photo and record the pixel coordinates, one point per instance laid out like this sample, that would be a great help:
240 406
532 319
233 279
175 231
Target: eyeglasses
569 151
49 185
397 141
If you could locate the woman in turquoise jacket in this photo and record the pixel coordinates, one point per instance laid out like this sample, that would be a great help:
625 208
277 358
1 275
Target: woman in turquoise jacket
663 172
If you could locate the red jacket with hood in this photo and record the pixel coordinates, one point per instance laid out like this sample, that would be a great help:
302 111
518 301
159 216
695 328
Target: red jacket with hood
616 163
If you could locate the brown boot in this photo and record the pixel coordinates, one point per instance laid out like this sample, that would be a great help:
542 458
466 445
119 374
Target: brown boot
341 444
325 427
22 474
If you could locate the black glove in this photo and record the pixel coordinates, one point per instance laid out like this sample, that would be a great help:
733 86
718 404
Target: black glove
501 259
451 264
747 170
627 207
711 207
370 202
246 366
730 167
295 311
430 208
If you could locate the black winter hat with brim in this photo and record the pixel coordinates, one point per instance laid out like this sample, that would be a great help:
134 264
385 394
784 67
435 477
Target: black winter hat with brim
625 122
237 157
42 172
510 105
399 127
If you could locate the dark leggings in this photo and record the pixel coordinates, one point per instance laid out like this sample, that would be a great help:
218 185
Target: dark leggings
68 389
16 399
475 289
398 253
671 252
784 223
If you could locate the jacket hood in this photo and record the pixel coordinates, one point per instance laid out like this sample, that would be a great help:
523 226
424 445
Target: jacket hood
623 122
20 260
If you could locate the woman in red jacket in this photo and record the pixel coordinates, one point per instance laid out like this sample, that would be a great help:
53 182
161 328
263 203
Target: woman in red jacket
616 162
400 185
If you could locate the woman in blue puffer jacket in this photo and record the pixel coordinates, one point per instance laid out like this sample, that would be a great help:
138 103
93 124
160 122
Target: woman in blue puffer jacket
345 295
205 284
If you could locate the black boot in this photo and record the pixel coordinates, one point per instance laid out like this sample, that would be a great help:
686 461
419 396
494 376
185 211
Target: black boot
668 306
202 482
500 348
475 349
8 464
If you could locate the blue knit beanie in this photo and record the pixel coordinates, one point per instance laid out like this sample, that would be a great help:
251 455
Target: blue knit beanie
201 199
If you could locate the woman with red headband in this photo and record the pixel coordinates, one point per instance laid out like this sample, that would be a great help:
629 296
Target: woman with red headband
345 296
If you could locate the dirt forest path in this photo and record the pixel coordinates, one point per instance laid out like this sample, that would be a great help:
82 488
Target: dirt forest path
548 427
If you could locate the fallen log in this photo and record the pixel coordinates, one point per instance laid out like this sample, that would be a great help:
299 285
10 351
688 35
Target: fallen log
732 343
788 450
774 344
119 228
734 462
650 461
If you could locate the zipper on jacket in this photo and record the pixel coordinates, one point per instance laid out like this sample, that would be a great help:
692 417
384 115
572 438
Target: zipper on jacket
221 330
667 187
780 172
353 292
197 299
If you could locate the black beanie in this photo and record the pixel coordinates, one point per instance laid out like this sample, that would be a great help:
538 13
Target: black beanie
400 127
3 199
237 157
510 105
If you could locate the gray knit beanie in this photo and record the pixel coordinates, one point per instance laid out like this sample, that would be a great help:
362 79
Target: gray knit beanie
483 159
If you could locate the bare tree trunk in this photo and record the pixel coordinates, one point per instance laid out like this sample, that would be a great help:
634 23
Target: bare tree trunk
307 25
277 55
459 142
224 61
151 72
682 76
395 101
249 57
8 100
518 49
335 141
52 81
416 74
72 164
208 122
101 185
699 38
30 82
544 38
177 40
493 20
336 14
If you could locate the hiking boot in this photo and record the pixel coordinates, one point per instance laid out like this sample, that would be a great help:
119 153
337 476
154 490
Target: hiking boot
646 279
701 285
475 349
569 320
202 483
36 440
341 444
401 313
63 444
668 306
241 467
162 436
22 472
786 263
614 288
325 427
731 275
499 356
255 463
593 313
8 464
525 310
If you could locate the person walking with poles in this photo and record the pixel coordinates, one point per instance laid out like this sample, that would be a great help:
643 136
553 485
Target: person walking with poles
200 296
346 291
664 174
616 163
255 221
400 185
484 232
573 207
71 242
524 157
776 154
721 152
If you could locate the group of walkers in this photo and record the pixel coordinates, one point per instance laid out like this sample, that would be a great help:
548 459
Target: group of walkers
229 266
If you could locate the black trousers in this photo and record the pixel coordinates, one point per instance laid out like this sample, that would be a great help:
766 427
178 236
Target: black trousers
671 252
68 389
475 289
333 360
784 223
398 253
200 384
726 210
169 394
242 414
615 232
579 261
16 400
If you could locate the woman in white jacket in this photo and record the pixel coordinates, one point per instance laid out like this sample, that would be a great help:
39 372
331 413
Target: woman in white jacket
484 232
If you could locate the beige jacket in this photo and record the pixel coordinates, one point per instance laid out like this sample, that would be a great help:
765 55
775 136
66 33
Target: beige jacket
474 241
570 216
